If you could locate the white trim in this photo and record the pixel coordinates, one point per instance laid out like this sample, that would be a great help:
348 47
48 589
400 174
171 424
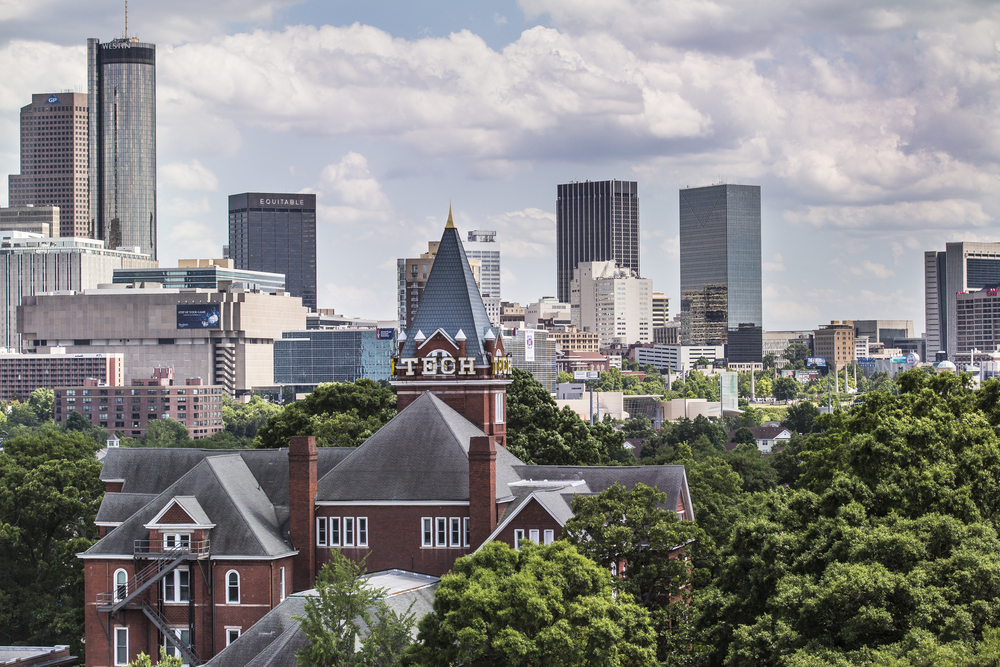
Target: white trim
517 541
115 584
357 526
534 534
173 501
109 524
455 530
353 533
113 481
438 532
506 521
284 555
321 542
117 630
443 333
228 586
429 543
281 584
237 629
546 482
85 556
178 526
466 532
449 383
546 534
383 503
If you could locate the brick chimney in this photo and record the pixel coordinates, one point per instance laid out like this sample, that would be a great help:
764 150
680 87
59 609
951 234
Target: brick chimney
482 488
302 457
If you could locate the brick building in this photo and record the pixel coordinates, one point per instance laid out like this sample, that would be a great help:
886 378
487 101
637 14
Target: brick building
198 545
21 374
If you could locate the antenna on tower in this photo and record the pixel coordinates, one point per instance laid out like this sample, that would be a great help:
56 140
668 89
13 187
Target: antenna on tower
126 19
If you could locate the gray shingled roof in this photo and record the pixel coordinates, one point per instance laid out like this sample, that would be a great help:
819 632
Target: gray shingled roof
451 301
117 507
669 479
422 454
246 522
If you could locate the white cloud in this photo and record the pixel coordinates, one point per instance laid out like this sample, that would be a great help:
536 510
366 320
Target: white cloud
189 176
870 269
347 192
776 263
671 247
190 239
529 233
902 216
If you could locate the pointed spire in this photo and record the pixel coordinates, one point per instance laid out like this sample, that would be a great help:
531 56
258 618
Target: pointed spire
451 221
420 337
460 336
402 336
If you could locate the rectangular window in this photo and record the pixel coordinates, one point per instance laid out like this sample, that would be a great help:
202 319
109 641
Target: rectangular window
121 646
427 531
362 531
335 531
518 538
442 532
177 586
456 531
549 536
185 638
348 531
499 409
281 584
232 634
467 535
533 535
321 531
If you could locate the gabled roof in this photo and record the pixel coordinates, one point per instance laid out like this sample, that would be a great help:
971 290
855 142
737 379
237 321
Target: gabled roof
451 301
769 432
246 521
191 508
422 454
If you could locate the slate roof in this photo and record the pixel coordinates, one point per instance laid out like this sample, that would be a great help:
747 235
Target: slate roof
422 454
192 508
246 521
117 507
273 640
451 300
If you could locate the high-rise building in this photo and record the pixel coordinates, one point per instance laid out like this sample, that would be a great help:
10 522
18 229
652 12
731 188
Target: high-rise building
54 160
481 247
122 102
835 343
305 359
613 302
661 309
883 331
962 267
276 233
42 220
596 221
720 262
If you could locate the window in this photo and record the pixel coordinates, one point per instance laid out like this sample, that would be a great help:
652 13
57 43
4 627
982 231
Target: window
499 409
456 532
518 538
185 638
362 531
176 541
233 587
348 531
442 532
549 536
232 634
121 646
121 585
467 535
533 535
335 531
427 532
177 586
321 531
281 584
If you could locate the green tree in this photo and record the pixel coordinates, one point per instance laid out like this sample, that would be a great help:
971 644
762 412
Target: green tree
244 420
42 401
338 413
143 660
164 433
744 436
538 606
801 417
769 360
348 621
785 389
564 377
796 355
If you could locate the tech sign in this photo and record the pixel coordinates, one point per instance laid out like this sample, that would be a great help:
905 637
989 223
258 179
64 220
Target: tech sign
448 365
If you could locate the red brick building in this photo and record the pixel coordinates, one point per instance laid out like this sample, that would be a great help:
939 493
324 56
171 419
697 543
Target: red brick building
198 545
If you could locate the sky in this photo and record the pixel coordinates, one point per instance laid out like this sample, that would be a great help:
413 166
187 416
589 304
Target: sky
871 126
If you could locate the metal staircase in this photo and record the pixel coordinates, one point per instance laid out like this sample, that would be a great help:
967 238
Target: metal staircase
188 652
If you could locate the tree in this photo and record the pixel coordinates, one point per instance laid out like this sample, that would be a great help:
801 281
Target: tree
244 420
542 605
702 361
785 389
744 436
619 526
164 433
769 360
796 355
339 414
564 377
348 621
143 660
801 417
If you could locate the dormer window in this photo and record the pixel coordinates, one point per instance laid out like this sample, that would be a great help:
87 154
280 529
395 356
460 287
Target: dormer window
176 541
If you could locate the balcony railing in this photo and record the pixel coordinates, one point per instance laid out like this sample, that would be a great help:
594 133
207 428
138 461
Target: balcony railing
171 548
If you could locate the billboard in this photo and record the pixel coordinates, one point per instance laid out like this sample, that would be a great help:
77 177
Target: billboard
728 384
529 345
198 316
586 375
816 362
385 334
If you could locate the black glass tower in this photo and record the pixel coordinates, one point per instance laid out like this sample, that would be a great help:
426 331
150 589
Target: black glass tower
122 100
596 221
276 233
720 262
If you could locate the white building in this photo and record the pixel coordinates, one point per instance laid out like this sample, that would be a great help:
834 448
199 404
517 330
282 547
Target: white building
678 358
612 301
481 246
547 308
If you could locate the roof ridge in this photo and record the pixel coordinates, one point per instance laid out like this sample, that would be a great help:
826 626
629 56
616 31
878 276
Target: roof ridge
229 494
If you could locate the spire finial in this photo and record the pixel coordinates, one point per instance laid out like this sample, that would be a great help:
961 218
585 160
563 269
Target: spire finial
451 220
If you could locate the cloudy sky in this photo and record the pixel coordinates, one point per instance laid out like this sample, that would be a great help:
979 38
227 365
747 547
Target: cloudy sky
872 127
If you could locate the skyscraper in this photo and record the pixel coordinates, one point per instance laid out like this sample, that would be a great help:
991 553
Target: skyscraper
962 267
276 233
596 221
122 100
54 160
720 262
481 246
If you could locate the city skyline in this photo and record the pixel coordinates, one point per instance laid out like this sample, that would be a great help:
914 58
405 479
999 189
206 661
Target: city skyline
870 145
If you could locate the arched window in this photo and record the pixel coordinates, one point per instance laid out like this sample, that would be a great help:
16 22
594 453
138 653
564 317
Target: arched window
233 586
121 584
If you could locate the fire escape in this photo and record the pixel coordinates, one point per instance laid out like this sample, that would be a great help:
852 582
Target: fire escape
160 558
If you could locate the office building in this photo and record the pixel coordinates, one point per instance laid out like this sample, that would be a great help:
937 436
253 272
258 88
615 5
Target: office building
720 262
54 161
835 343
225 336
613 302
211 274
411 279
547 313
542 363
128 410
481 247
578 341
41 220
668 334
122 102
596 221
776 342
305 359
661 309
745 345
31 264
677 358
512 314
21 374
977 323
884 331
962 267
276 233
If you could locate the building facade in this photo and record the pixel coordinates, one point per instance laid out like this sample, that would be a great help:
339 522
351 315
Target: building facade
481 247
677 358
661 309
720 262
31 264
596 221
962 267
54 161
571 339
835 343
128 410
977 323
276 233
31 219
122 143
612 302
745 345
884 331
225 337
21 374
203 274
308 358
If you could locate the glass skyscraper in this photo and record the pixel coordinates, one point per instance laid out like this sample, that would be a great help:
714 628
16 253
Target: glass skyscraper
596 221
122 100
276 233
720 262
308 358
